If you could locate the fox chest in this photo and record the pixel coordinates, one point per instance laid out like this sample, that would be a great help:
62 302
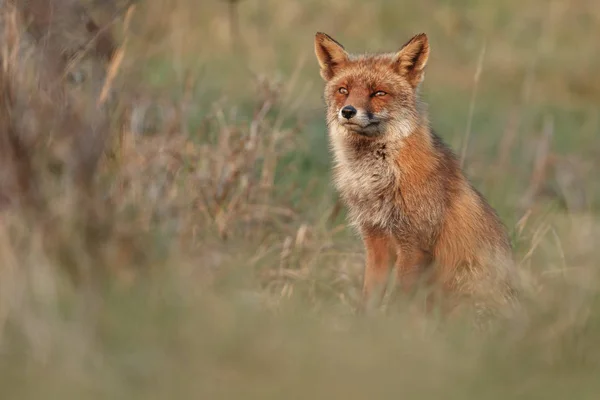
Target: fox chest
369 188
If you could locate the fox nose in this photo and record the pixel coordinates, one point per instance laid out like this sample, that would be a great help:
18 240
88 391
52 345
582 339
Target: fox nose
348 112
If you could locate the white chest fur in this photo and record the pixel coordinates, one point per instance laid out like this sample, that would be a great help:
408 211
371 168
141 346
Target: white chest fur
366 178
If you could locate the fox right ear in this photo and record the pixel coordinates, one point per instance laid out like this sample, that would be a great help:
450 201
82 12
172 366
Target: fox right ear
330 54
412 58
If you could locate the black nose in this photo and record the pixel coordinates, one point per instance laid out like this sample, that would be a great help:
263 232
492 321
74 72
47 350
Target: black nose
348 112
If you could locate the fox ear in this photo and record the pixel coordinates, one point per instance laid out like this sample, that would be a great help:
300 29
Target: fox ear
410 61
330 54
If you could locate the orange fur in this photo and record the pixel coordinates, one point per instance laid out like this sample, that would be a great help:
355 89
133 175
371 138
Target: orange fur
378 262
404 188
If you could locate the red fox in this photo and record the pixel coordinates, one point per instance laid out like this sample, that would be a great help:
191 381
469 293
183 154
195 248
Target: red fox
404 188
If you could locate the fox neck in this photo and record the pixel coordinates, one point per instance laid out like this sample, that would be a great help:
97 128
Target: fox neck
349 146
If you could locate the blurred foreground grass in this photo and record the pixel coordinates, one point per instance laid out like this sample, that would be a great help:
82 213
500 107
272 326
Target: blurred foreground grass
226 278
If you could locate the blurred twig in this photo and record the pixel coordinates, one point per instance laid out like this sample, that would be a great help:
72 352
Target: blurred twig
476 79
234 23
541 161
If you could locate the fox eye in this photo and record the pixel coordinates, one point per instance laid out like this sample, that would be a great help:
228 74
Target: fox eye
343 90
379 93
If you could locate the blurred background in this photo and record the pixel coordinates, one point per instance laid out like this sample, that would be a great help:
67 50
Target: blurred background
168 225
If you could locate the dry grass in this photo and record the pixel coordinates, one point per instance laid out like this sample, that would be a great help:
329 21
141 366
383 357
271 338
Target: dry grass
199 259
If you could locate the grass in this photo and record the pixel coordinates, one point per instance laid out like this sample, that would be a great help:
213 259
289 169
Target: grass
213 267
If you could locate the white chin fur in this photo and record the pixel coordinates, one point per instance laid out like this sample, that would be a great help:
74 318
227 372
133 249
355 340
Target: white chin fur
402 128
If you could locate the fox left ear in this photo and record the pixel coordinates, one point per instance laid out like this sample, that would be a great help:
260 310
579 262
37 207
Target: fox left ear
331 55
410 61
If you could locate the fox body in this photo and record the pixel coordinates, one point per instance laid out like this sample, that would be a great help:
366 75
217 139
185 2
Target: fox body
404 188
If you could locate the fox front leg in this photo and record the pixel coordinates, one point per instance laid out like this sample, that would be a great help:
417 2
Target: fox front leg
411 266
377 267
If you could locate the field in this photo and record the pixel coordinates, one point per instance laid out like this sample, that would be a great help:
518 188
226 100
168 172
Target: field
216 262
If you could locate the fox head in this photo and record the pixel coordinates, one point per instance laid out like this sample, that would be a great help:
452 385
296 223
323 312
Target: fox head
374 94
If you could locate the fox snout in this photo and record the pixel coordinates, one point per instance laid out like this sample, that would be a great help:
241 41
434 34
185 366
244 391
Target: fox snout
350 115
358 120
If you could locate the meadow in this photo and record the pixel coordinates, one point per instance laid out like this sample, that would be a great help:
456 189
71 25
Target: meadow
217 263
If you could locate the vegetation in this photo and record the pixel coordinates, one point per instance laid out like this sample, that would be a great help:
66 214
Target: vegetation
204 254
